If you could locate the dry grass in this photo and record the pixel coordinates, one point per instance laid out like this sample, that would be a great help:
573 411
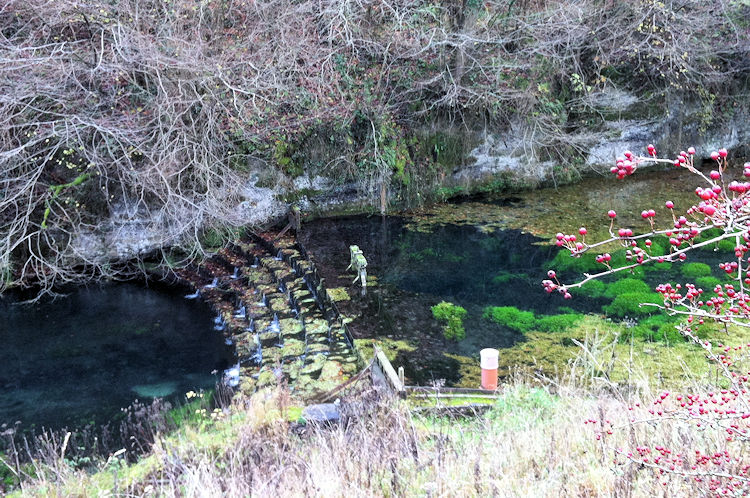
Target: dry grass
532 443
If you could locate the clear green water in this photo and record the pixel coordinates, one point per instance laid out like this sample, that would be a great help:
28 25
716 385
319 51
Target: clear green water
79 359
478 253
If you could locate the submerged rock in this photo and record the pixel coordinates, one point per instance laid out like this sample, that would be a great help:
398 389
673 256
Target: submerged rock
156 390
326 413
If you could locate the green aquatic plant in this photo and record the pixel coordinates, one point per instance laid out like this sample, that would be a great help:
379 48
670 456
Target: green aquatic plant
593 289
511 317
524 321
694 270
453 316
629 304
626 286
707 283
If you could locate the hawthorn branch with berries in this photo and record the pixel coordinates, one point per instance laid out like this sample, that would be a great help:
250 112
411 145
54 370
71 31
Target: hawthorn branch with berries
721 421
723 205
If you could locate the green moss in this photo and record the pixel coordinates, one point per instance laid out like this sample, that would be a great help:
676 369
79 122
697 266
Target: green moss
655 328
694 270
593 289
338 294
658 267
564 262
505 276
626 286
453 317
707 283
510 317
629 304
556 323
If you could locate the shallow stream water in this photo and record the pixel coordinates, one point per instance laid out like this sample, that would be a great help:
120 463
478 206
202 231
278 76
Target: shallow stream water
79 359
479 252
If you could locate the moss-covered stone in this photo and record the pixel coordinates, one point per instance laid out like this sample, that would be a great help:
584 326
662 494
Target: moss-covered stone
283 274
318 338
338 294
313 365
247 385
269 339
256 310
271 357
317 326
245 344
291 328
291 370
266 378
280 304
292 348
331 370
318 348
258 276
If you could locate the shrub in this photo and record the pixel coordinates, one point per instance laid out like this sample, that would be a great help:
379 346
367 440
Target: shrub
453 315
628 304
694 270
511 317
626 286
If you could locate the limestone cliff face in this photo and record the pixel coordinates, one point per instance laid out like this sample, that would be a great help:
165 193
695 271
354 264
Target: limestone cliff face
510 156
627 124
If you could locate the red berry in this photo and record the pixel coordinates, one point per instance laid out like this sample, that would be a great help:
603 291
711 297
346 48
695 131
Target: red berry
715 175
612 214
691 151
723 152
714 155
669 204
582 231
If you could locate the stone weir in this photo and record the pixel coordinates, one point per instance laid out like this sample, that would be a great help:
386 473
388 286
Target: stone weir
272 306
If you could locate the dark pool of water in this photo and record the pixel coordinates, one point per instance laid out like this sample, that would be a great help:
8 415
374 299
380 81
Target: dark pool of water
461 264
480 253
79 359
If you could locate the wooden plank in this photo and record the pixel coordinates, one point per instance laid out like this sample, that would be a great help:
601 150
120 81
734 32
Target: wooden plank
452 396
389 372
447 390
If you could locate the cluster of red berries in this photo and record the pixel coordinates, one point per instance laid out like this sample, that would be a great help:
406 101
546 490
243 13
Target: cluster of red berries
719 154
551 286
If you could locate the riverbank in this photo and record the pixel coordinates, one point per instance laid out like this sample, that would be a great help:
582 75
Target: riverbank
538 439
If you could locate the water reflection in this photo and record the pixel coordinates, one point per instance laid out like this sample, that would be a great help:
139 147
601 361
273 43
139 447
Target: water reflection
82 357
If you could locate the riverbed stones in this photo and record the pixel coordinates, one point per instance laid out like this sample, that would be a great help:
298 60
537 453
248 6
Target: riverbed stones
245 344
299 338
325 413
269 339
318 348
313 365
292 349
291 328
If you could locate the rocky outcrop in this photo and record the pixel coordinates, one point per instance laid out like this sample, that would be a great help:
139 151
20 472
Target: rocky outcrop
626 123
